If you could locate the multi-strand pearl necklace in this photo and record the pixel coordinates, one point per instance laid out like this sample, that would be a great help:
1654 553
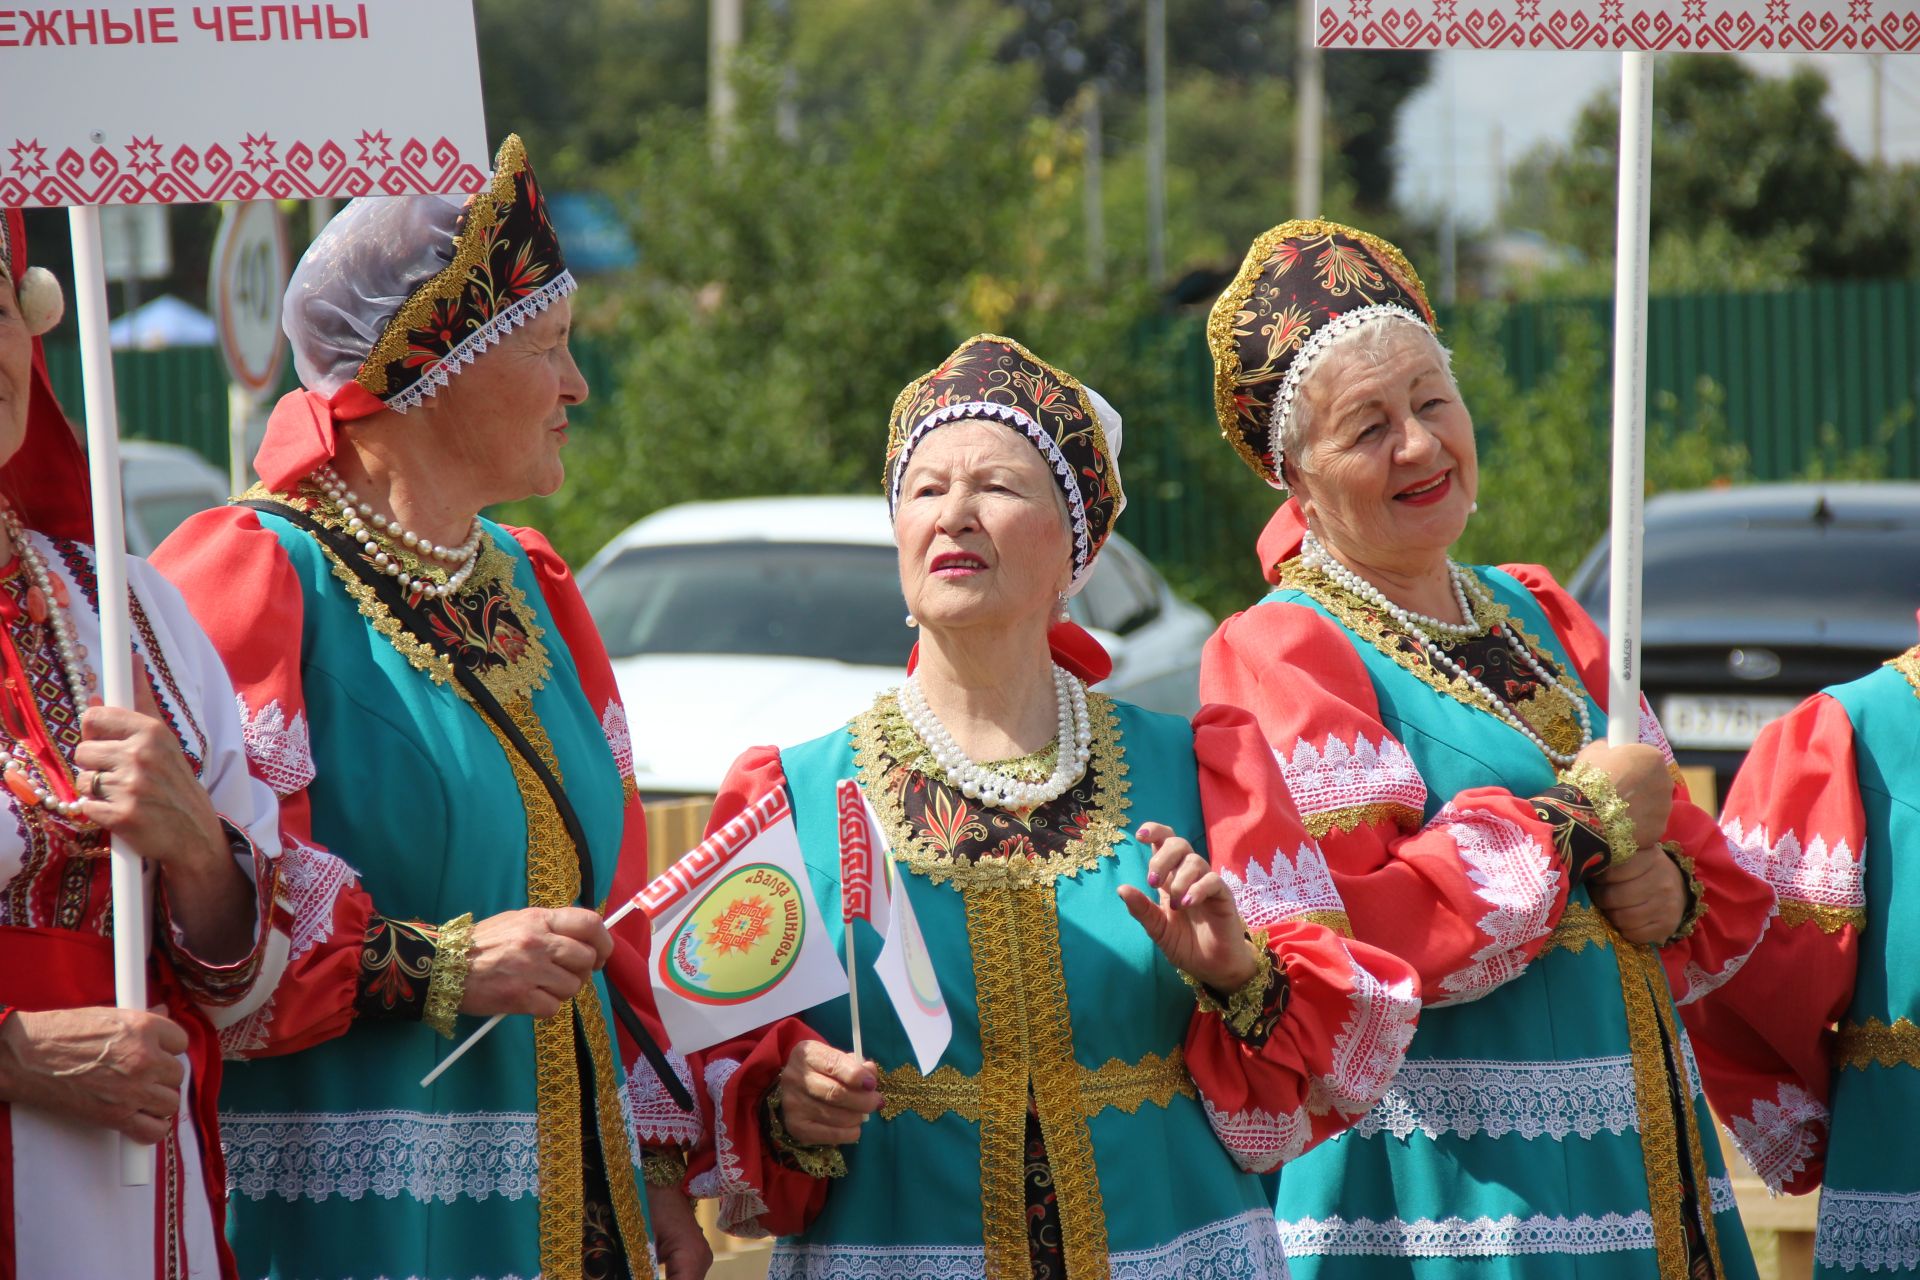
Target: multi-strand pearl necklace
990 786
1469 592
25 776
366 526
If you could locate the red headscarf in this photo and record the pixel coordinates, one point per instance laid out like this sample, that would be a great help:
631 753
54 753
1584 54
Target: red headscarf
303 431
46 480
1280 540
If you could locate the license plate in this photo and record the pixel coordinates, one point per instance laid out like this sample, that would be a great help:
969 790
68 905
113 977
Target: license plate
1704 720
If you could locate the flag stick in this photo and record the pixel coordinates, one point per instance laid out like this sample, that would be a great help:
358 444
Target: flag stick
853 992
626 908
115 658
1629 397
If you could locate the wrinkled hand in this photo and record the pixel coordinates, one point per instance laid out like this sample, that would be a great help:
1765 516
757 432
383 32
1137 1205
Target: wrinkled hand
826 1094
1645 898
682 1245
148 796
113 1068
1639 774
1195 922
533 960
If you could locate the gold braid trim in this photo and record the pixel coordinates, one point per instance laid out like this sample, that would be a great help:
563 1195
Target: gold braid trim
1874 1043
1659 1142
452 956
664 1167
882 733
1695 1153
1353 817
1697 905
998 980
1908 665
473 243
816 1160
1579 926
1609 810
1830 919
616 1154
1056 1093
1243 1006
1127 1086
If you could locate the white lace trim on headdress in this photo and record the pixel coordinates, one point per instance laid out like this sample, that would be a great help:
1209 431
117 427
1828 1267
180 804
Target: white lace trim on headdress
1076 503
471 347
1311 350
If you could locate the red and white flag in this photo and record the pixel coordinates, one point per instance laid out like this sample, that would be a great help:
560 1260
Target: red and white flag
904 966
863 885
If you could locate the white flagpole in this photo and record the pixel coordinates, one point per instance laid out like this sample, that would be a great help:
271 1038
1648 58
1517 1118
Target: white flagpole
1629 396
853 987
115 658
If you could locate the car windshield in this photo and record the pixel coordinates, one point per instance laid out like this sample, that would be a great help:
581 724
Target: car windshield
1842 571
781 599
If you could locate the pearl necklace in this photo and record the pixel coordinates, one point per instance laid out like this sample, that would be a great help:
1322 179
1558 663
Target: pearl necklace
1314 555
360 515
24 775
990 786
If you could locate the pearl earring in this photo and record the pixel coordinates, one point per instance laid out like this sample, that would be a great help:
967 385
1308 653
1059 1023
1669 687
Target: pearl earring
1474 508
912 621
1060 608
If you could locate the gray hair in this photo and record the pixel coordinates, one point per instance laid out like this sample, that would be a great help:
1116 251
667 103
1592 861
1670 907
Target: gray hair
1370 341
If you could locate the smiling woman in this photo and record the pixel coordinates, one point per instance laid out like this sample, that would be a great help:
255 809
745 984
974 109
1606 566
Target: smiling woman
1072 860
1435 723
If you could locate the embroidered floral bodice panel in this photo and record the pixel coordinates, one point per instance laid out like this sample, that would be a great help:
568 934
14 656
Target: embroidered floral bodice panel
939 832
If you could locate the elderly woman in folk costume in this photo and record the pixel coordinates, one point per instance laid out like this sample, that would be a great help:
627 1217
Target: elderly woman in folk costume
426 693
1112 1083
169 780
1811 1054
1436 725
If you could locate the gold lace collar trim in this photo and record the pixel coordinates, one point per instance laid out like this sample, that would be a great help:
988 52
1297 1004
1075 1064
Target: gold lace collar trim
1547 710
519 675
1908 665
888 754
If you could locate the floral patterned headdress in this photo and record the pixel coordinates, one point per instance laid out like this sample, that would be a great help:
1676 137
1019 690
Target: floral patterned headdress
997 380
397 295
1303 284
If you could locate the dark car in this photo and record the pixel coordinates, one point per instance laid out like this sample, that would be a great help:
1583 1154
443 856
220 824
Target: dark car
1756 597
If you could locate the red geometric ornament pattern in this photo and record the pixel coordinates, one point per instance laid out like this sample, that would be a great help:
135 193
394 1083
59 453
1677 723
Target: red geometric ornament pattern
1691 26
254 166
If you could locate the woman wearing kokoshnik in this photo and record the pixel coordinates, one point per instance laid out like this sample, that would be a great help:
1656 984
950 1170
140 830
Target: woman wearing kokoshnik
1811 1054
1143 1017
1436 726
171 781
426 693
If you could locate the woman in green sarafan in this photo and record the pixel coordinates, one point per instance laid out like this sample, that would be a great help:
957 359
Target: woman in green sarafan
1151 999
426 693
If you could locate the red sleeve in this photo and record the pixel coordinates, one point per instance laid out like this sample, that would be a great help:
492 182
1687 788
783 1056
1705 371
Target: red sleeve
243 591
759 1194
1350 1007
1738 903
1765 1039
1482 878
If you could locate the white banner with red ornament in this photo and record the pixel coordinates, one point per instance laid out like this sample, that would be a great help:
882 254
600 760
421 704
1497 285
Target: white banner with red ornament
1616 26
185 104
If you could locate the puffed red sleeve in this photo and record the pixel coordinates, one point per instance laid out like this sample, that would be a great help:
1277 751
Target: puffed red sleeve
1347 1010
244 593
1734 904
655 1118
759 1191
1467 897
1765 1039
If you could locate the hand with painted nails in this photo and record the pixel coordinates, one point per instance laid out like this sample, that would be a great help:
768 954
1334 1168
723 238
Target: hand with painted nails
825 1094
1194 921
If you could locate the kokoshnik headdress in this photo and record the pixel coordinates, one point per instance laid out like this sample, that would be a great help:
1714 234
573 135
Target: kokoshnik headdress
398 294
1302 285
998 380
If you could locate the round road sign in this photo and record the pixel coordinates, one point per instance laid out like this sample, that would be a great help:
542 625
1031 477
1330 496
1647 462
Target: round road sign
250 269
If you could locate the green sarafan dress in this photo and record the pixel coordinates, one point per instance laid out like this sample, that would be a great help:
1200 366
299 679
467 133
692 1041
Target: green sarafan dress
1812 1053
407 815
1549 1119
1091 1117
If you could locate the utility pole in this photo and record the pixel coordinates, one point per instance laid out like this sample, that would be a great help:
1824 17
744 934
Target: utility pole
724 24
1876 67
1093 143
1307 118
1157 141
1449 219
1499 181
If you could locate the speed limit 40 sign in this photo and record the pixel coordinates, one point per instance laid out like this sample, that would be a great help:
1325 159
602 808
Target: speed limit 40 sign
250 268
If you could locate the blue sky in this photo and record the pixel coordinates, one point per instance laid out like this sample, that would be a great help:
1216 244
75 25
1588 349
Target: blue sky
1534 97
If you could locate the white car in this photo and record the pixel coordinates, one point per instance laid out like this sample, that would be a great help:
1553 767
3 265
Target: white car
769 621
161 485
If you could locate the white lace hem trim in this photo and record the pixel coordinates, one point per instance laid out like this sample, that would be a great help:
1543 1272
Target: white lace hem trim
1466 1098
427 1156
1868 1230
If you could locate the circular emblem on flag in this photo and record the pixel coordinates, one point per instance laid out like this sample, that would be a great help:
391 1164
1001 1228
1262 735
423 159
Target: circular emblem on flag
740 940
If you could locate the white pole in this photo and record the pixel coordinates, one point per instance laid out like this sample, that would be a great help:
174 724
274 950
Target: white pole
725 23
239 417
853 993
1629 395
115 659
1307 126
